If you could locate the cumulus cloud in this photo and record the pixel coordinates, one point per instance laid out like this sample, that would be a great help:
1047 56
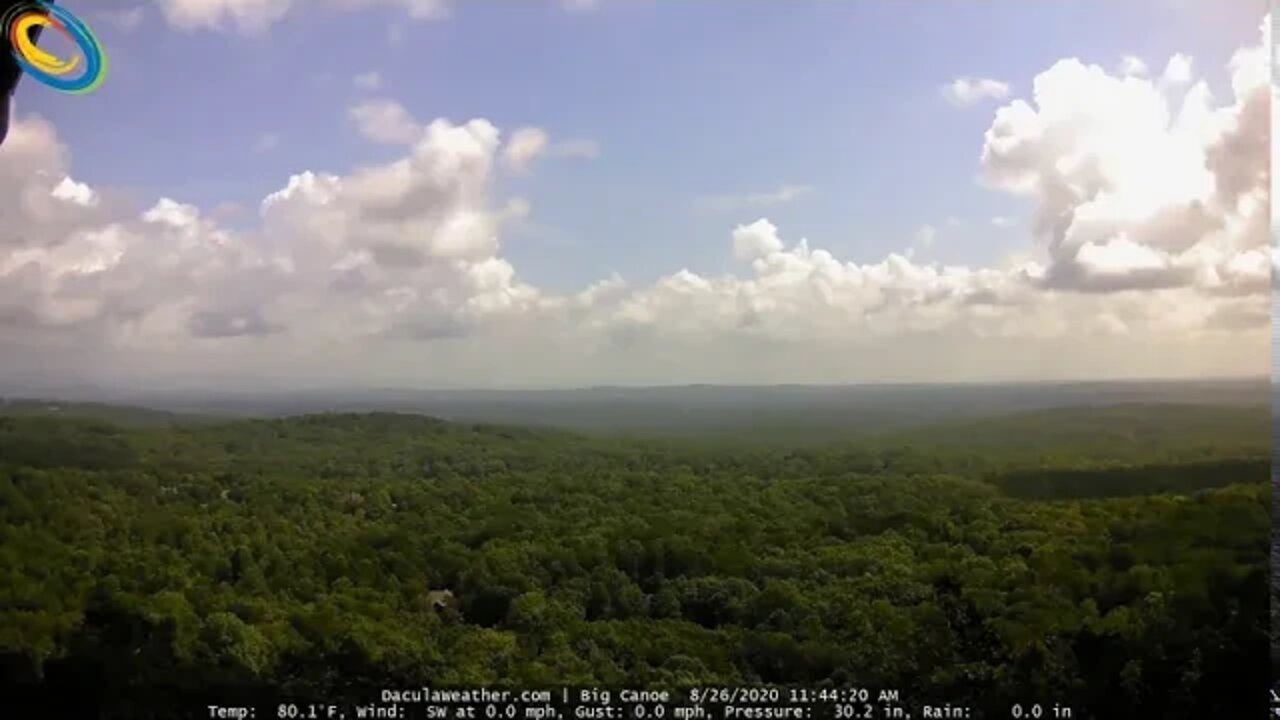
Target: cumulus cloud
1139 188
1133 65
382 252
757 240
1178 71
1150 258
527 144
967 91
243 15
386 122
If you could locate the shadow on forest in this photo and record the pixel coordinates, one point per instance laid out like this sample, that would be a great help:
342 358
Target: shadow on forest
1129 481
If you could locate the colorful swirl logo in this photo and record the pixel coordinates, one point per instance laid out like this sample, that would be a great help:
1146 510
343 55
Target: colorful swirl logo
57 73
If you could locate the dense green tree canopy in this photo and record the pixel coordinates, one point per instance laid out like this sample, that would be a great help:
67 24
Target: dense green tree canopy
1049 556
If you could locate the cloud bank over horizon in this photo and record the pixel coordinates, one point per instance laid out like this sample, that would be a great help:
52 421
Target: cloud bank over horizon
1148 255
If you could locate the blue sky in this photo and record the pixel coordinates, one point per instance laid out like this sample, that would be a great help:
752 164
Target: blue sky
685 98
699 110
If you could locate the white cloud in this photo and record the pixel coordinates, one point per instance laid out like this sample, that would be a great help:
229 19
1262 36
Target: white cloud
1178 71
1151 258
71 191
244 15
757 240
967 91
1132 65
1002 221
780 196
527 144
368 81
1141 186
386 122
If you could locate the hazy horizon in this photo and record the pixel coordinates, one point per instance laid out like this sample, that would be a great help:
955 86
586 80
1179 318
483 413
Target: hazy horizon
15 389
778 412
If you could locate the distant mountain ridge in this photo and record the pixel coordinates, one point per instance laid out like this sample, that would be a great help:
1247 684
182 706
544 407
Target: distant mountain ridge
785 411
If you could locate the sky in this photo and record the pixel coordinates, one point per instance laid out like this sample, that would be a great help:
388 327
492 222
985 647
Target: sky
436 193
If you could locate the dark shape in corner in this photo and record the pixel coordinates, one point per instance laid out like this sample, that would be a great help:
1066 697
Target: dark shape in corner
10 73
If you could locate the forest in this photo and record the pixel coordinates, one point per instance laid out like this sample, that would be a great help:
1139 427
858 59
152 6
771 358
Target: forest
1115 558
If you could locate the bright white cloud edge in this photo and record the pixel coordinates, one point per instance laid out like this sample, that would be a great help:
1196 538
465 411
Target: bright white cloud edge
1150 259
